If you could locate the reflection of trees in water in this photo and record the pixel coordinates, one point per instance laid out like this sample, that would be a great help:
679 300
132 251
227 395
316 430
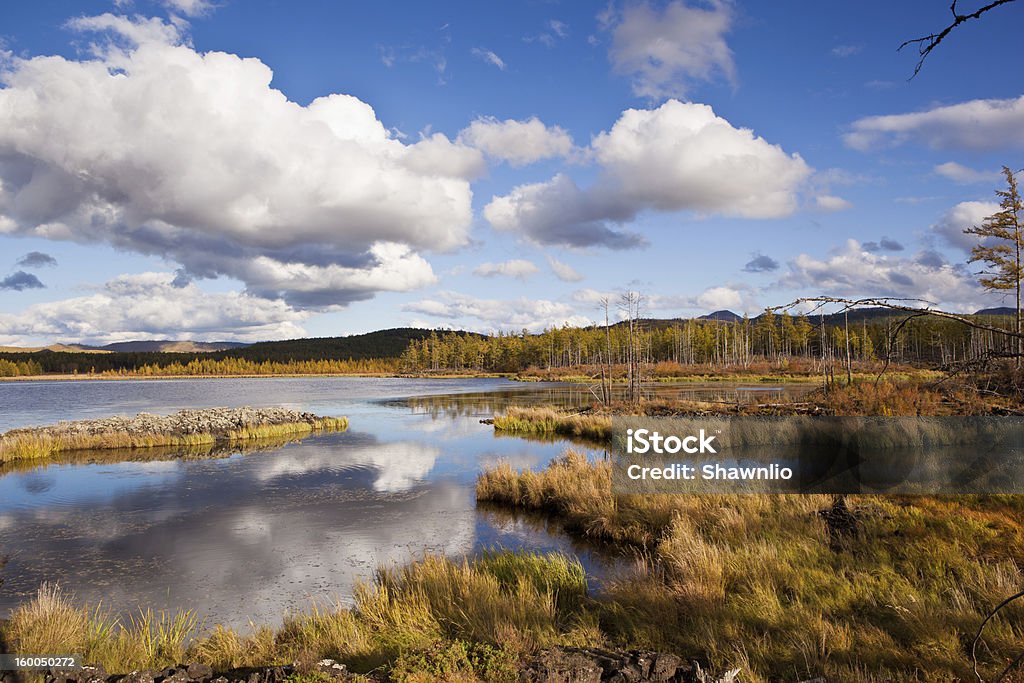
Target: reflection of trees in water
582 395
549 437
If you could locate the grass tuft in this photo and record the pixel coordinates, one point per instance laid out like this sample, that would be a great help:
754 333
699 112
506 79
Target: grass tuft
543 421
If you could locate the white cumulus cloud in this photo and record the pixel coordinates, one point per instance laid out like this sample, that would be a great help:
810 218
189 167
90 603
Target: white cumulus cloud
964 215
666 50
972 125
676 157
853 271
151 306
154 147
517 142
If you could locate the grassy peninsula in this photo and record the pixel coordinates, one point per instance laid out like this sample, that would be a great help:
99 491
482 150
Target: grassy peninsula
186 428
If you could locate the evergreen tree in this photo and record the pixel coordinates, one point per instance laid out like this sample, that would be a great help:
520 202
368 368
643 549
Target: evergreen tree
1000 247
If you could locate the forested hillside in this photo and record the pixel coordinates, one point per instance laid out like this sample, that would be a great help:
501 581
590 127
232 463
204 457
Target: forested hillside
717 343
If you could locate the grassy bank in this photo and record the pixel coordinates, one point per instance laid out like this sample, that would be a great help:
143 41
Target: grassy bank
435 619
195 430
760 582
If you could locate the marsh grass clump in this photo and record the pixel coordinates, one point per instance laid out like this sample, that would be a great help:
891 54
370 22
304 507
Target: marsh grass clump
550 421
52 623
187 429
758 581
467 620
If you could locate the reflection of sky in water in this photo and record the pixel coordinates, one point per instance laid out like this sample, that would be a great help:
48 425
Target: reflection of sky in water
250 537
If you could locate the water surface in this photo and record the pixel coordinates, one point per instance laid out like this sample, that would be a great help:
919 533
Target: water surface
246 538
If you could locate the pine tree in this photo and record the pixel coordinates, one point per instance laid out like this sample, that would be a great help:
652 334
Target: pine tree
1000 248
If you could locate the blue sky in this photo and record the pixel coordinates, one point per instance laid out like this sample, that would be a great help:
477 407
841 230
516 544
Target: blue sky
261 169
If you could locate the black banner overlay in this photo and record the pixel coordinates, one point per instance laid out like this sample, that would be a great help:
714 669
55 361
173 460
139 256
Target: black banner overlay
807 454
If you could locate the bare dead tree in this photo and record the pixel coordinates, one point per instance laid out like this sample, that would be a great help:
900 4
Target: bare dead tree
818 303
925 44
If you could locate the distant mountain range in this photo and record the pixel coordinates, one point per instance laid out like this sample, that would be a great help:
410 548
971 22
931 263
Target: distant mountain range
723 315
145 346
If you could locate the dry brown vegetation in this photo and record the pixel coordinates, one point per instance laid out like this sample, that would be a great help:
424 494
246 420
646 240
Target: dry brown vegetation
435 619
758 581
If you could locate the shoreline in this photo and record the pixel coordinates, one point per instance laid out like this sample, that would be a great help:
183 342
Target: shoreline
513 377
379 375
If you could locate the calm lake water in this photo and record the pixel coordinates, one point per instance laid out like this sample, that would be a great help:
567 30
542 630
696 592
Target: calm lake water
249 537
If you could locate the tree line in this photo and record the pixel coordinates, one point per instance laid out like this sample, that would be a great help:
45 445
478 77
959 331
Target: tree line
717 344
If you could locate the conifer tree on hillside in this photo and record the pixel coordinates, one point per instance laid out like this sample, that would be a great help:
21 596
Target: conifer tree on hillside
1000 248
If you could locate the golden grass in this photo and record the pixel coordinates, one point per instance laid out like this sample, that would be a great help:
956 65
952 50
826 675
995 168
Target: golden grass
52 623
518 420
466 620
40 445
757 581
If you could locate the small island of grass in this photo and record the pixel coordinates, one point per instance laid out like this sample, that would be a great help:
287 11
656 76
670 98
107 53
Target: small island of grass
186 428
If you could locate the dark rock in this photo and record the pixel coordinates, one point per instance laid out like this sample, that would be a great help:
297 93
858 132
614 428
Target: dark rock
666 666
199 672
143 676
563 666
92 674
174 675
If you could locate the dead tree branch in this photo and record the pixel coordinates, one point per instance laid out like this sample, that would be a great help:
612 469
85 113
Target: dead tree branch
898 305
925 44
977 639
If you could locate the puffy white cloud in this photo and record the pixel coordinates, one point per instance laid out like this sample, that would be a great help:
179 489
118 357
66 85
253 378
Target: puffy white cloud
854 271
563 271
974 125
683 156
489 57
959 173
519 268
150 306
828 202
153 147
964 215
558 212
718 298
136 30
677 157
665 51
498 314
517 142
